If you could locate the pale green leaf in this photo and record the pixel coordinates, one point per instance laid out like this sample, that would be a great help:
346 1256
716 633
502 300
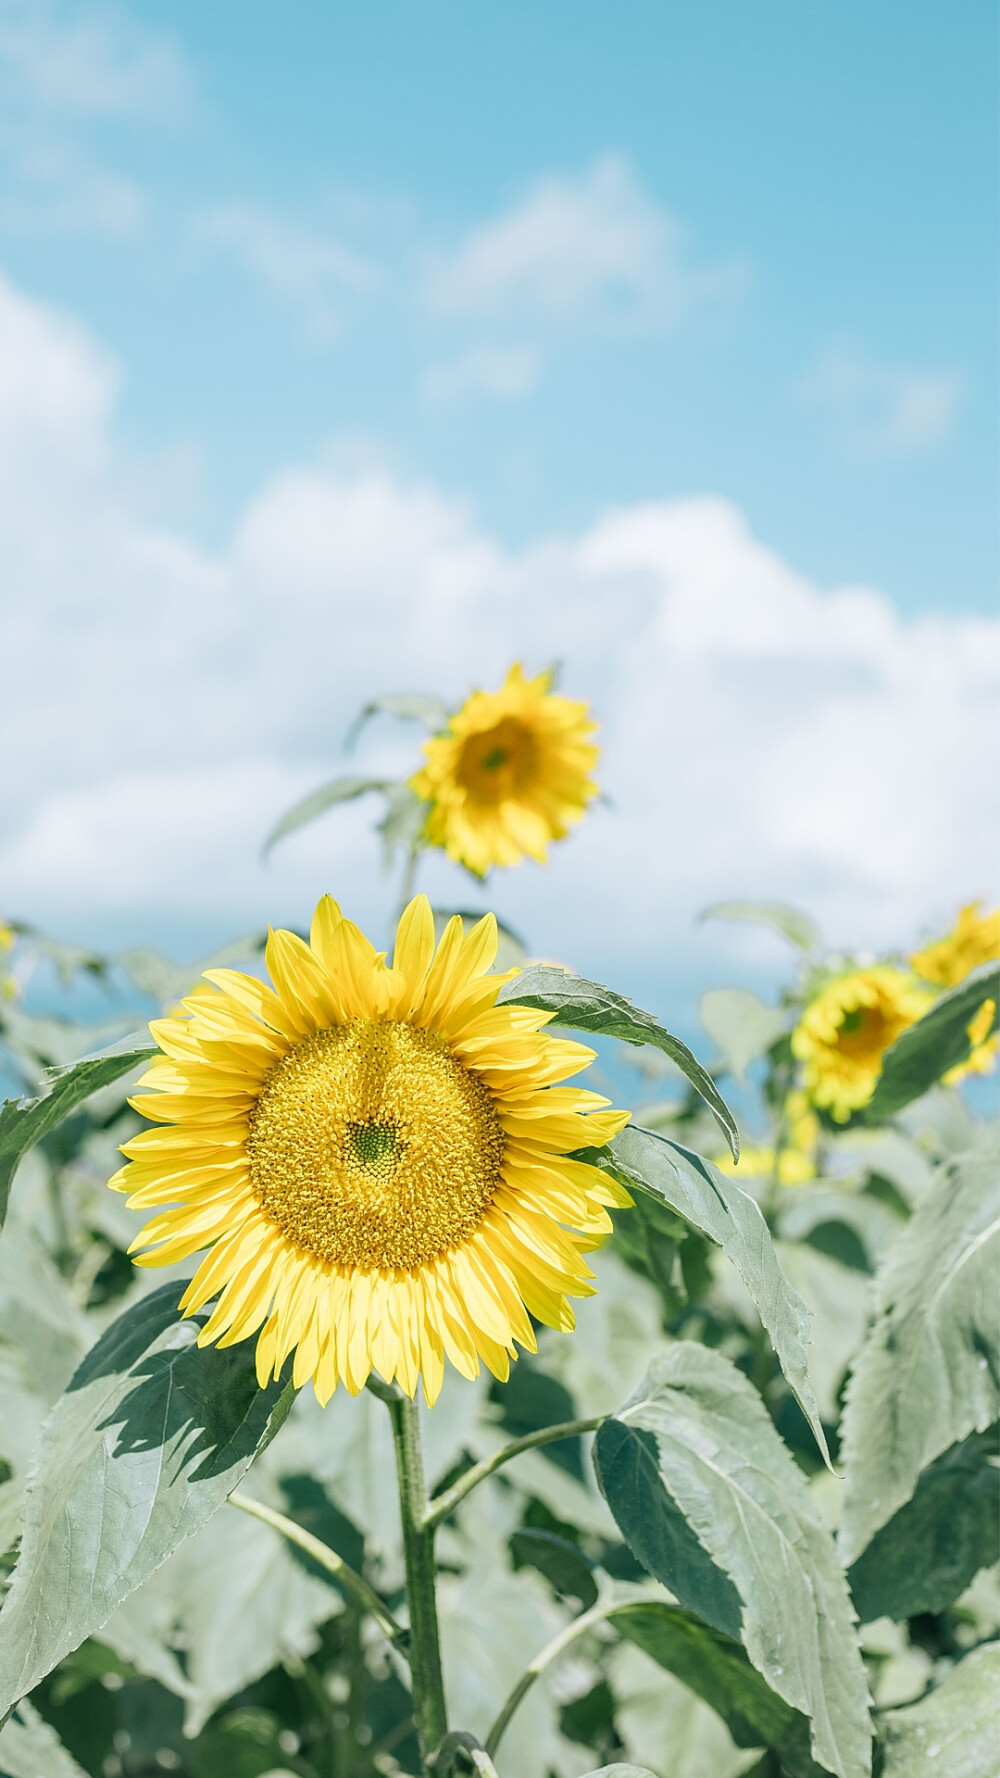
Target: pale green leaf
952 1733
647 1162
339 790
796 927
432 713
713 1505
30 1748
403 821
929 1372
937 1042
589 1006
620 1771
742 1026
149 1439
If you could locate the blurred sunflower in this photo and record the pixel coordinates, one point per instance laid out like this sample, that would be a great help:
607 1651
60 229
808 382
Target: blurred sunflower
844 1032
510 774
974 940
983 1052
376 1157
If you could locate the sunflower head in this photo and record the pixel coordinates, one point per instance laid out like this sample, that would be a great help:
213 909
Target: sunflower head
974 940
510 774
845 1031
376 1157
983 1053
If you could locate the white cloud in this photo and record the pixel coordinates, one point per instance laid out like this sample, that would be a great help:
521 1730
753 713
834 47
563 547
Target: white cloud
593 250
504 373
165 703
315 274
883 410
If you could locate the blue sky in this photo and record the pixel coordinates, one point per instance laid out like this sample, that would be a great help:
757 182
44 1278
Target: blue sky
362 347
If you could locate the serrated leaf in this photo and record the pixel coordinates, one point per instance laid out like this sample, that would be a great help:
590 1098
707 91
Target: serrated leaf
589 1006
742 1026
793 925
717 1669
929 1372
30 1748
407 707
148 1441
937 1042
688 1184
713 1505
930 1551
23 1122
339 790
952 1733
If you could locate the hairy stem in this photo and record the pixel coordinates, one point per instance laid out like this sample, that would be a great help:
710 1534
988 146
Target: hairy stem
543 1659
429 1709
320 1552
546 1435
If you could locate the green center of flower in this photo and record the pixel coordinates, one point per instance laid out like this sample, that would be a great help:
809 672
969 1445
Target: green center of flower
498 762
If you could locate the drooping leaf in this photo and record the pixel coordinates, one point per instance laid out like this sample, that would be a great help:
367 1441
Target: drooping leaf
714 1506
433 713
928 1374
935 1545
30 1748
717 1669
952 1733
148 1441
339 790
24 1122
937 1042
796 927
589 1006
742 1026
689 1185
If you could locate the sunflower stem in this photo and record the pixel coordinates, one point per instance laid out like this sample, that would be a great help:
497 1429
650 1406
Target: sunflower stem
551 1652
546 1435
429 1708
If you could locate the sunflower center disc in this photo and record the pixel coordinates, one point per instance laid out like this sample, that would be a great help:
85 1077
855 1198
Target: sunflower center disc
371 1145
498 762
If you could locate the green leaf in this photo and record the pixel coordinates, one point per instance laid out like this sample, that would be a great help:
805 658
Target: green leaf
403 821
563 1564
619 1771
716 1668
952 1733
717 1207
148 1441
24 1122
796 927
937 1042
339 790
713 1505
589 1006
930 1551
929 1372
30 1748
742 1026
407 707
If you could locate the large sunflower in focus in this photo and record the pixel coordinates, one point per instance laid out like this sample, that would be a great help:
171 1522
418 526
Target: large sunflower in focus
511 773
845 1031
376 1158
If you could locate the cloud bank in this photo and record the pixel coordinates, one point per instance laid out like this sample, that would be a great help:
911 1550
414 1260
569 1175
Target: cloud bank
163 702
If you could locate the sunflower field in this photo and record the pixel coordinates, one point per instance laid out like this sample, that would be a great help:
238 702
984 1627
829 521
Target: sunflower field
462 1375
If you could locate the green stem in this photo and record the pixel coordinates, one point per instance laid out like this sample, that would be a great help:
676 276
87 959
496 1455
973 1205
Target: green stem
429 1708
543 1659
546 1435
320 1552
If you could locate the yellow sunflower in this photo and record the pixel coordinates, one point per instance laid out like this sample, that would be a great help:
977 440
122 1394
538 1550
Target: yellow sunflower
377 1158
845 1031
975 940
984 1049
510 774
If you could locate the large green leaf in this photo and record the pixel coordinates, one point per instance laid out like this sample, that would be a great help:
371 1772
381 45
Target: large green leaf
589 1006
713 1505
928 1374
952 1733
148 1441
717 1669
796 927
928 1553
937 1042
30 1748
23 1122
742 1026
646 1162
339 790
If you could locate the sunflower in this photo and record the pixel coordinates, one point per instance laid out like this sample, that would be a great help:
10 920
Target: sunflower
983 1052
845 1031
974 940
510 774
376 1157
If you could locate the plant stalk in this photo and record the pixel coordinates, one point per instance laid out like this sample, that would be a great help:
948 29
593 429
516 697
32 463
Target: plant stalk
552 1650
429 1709
546 1435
